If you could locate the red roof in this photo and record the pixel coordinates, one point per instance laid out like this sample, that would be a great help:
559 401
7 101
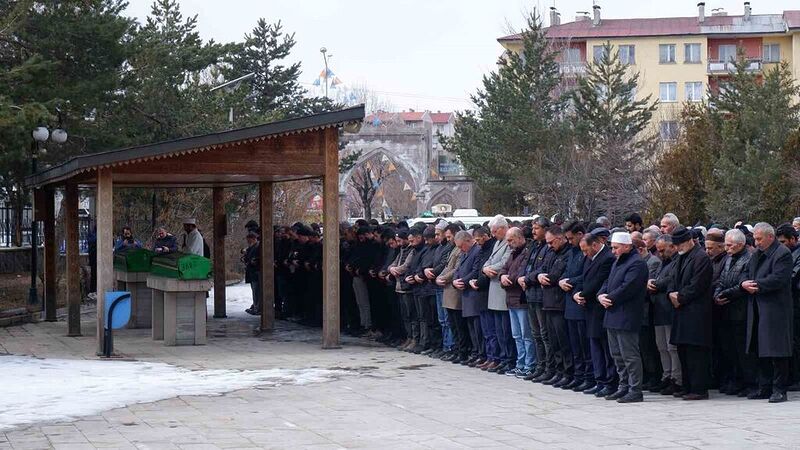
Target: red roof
412 116
661 26
439 117
792 18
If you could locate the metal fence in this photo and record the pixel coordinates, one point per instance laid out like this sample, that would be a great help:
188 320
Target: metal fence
8 228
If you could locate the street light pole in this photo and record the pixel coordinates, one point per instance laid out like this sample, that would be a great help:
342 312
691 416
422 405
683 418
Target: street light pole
33 295
324 52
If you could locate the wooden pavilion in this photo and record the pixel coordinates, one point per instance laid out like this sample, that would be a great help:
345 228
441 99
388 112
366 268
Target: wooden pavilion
294 149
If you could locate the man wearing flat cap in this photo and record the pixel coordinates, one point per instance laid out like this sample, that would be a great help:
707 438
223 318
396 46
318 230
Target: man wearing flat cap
691 294
623 296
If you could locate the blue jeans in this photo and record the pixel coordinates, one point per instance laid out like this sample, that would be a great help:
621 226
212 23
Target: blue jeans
521 332
447 333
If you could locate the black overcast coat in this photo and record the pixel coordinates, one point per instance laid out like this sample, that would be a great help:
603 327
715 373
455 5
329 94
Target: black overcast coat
692 279
595 273
772 271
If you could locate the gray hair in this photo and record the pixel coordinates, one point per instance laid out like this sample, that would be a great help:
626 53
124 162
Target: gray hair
652 233
664 238
795 220
463 236
603 220
765 228
672 219
498 221
736 236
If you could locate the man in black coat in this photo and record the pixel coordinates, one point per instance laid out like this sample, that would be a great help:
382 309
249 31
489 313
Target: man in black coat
788 236
623 296
691 295
769 313
596 268
736 368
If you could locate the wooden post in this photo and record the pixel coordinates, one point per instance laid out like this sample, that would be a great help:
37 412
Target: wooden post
267 258
105 245
220 230
72 268
50 255
330 241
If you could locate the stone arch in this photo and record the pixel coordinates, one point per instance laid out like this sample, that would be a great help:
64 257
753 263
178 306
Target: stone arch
443 196
400 188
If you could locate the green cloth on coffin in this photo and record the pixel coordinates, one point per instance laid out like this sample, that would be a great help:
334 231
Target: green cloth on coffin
133 259
182 266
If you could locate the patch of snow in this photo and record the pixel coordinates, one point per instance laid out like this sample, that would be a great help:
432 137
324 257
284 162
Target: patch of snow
38 390
238 297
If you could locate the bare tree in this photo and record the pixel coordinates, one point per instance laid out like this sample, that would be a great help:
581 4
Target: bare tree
366 180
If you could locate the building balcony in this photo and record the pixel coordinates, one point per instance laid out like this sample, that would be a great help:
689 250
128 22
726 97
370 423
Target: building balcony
727 67
572 68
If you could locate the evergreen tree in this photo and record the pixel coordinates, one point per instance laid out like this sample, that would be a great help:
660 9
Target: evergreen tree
275 88
754 118
612 138
504 142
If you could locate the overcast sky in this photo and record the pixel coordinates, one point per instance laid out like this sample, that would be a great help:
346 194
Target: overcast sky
421 54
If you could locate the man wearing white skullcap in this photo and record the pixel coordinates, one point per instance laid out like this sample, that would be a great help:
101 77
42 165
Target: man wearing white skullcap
623 297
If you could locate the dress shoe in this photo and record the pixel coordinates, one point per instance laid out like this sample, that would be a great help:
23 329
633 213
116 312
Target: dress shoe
544 376
585 386
794 387
759 394
670 389
649 384
679 392
418 349
536 373
555 379
461 359
617 395
477 362
593 390
572 385
657 387
427 351
631 397
777 397
529 375
693 396
564 381
501 368
607 390
491 365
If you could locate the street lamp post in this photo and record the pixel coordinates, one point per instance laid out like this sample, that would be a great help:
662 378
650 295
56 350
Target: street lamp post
325 56
40 135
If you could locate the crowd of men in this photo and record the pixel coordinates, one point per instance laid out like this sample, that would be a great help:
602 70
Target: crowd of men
609 312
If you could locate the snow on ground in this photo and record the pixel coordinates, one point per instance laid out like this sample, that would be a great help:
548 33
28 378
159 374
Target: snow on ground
238 298
37 390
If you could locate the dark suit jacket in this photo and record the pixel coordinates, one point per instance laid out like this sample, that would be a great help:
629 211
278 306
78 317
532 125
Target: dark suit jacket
692 279
627 288
595 273
772 270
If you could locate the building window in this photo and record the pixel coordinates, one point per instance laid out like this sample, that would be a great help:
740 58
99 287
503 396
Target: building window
694 91
597 53
727 52
449 165
627 54
666 53
772 53
691 53
668 92
669 130
571 55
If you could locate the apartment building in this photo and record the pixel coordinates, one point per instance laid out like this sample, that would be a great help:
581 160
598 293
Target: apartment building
679 59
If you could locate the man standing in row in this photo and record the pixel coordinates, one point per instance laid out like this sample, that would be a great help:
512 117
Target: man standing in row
623 296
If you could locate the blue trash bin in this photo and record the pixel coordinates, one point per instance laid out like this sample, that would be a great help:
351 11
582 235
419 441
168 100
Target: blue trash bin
117 315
